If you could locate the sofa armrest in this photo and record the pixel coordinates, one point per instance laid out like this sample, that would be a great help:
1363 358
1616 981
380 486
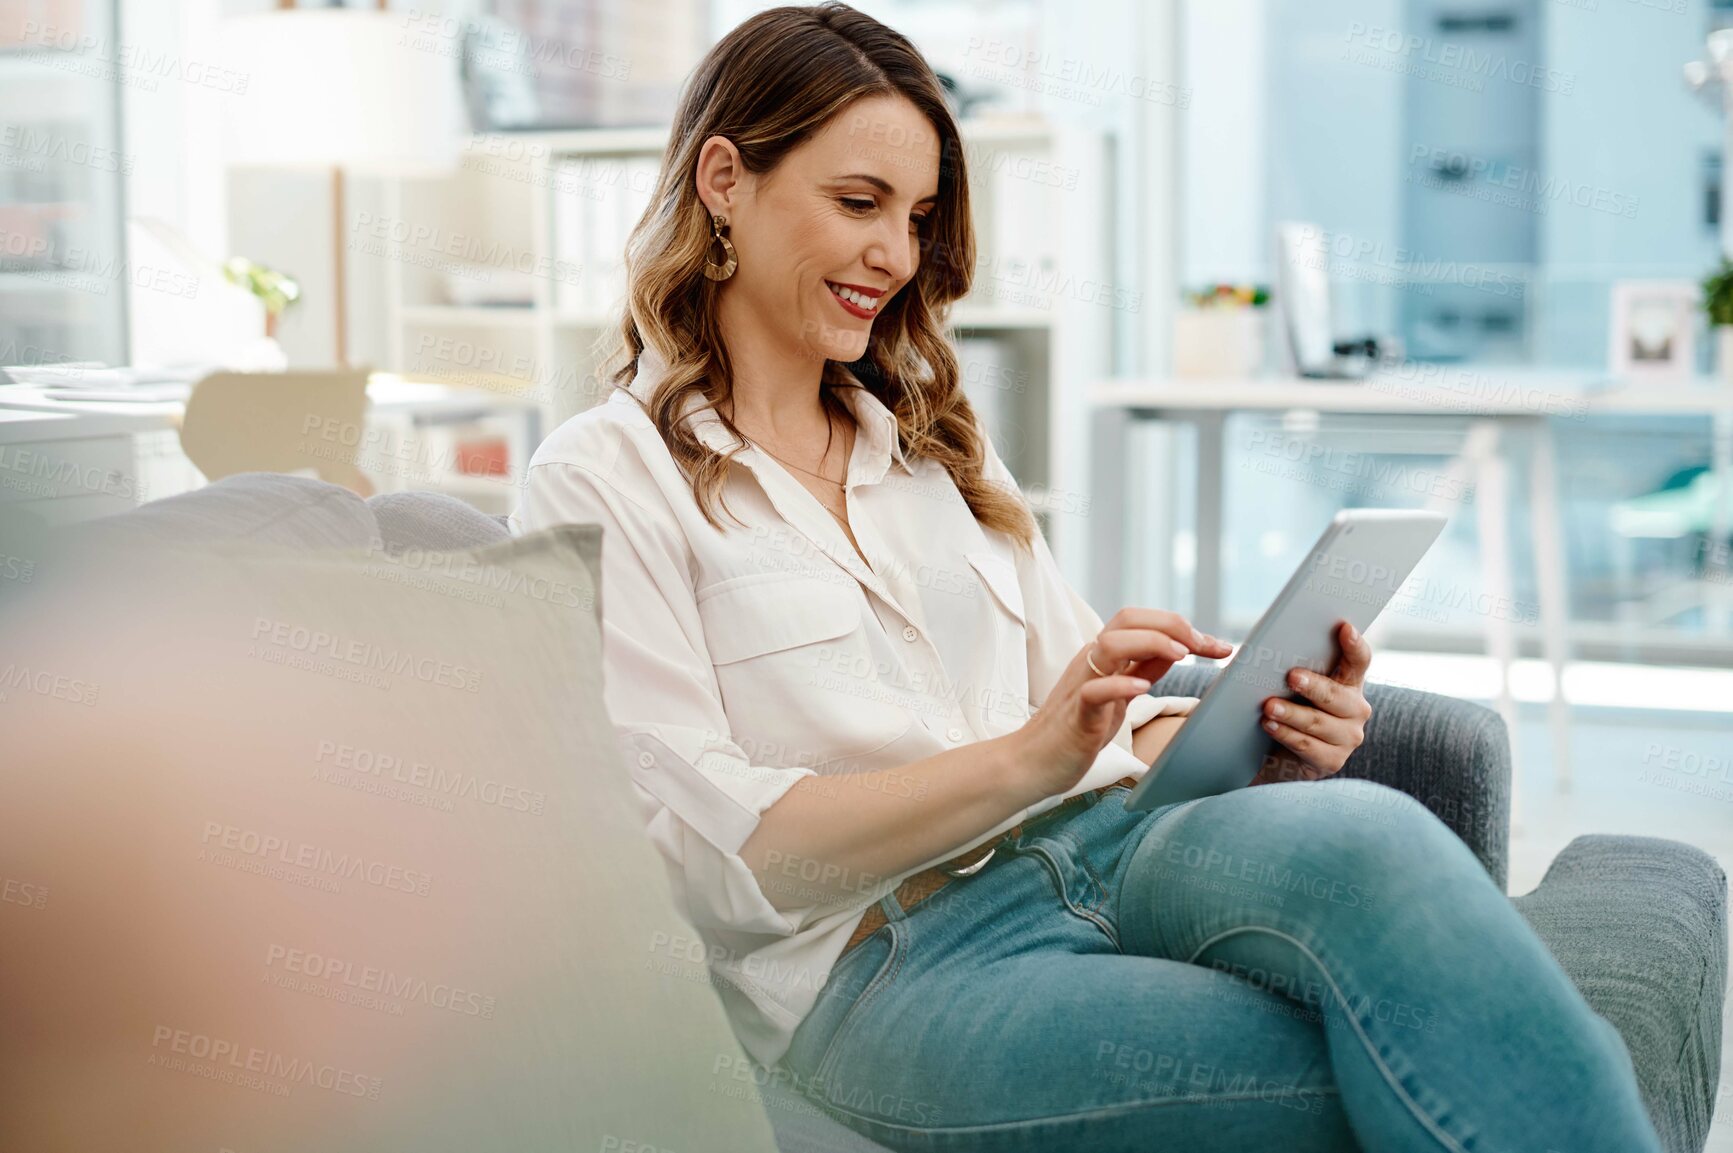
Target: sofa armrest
1640 925
1452 756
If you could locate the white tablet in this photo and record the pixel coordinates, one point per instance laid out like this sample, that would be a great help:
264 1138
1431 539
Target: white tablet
1358 564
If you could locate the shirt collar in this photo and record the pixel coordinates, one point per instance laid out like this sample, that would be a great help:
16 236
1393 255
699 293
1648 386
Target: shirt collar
876 446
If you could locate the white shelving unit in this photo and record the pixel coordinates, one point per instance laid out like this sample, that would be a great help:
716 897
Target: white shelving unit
1032 334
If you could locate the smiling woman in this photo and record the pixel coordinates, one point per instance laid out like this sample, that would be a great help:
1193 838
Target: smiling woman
879 740
818 145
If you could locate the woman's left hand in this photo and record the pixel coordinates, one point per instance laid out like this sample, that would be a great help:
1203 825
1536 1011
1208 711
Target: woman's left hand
1320 738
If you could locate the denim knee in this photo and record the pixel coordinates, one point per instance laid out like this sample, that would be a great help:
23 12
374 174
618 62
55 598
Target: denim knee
1375 829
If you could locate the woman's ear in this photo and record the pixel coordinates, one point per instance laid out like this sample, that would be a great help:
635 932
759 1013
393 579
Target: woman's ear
719 175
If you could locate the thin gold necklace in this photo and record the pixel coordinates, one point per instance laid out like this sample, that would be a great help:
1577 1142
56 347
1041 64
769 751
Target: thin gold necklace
808 471
849 435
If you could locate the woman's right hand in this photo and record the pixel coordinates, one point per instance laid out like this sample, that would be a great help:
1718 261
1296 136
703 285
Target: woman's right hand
1084 711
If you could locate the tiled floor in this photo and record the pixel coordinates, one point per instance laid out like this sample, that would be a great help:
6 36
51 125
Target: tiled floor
1611 752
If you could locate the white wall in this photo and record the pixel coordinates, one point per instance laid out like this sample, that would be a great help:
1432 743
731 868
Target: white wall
172 128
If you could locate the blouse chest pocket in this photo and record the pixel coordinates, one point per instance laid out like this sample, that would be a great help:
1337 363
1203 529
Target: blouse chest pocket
1009 706
1006 625
796 670
754 617
1000 577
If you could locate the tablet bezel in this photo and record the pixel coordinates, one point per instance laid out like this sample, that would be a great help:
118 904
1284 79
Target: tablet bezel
1397 538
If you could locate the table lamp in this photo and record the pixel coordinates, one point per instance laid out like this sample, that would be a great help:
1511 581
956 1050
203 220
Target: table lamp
343 90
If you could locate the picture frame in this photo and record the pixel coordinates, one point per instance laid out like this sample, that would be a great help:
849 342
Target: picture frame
1653 329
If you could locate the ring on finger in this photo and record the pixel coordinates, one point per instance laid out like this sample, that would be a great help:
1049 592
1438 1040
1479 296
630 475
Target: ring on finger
1090 657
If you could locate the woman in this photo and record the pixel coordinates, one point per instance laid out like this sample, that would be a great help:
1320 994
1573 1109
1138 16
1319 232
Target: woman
839 654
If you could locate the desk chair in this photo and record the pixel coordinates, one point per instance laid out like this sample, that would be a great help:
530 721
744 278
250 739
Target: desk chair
286 422
1688 506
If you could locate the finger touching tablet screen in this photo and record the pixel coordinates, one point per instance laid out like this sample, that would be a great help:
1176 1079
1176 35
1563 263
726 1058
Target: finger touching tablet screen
1359 562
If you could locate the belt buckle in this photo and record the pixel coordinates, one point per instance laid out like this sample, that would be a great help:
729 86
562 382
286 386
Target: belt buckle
970 870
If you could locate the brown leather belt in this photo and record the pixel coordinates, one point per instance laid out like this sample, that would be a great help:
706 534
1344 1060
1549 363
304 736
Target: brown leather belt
919 886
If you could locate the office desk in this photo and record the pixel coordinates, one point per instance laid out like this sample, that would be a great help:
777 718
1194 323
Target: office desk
115 453
387 395
1491 404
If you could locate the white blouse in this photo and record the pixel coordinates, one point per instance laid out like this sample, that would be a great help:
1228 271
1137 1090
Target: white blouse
736 663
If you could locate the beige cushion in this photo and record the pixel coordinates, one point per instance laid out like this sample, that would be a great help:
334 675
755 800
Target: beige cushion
336 852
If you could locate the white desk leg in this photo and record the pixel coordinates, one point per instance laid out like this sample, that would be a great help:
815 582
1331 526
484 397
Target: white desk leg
1549 571
1116 508
1492 502
1207 585
1716 614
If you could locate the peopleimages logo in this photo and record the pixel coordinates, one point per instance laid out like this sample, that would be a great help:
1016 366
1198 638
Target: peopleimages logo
441 782
232 846
341 973
62 149
490 577
221 1059
375 233
13 568
1466 63
1071 77
507 46
1400 266
316 643
44 683
72 48
46 474
1467 169
16 892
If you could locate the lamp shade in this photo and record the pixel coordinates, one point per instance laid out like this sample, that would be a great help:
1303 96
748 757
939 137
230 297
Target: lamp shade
339 88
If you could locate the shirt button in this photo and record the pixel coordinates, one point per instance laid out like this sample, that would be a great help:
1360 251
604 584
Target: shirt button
910 633
954 734
646 760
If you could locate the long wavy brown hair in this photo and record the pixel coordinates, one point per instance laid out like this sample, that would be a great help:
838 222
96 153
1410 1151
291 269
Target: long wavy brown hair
768 86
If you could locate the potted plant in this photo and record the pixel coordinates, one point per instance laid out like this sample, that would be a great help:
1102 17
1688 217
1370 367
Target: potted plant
1220 331
275 289
1718 303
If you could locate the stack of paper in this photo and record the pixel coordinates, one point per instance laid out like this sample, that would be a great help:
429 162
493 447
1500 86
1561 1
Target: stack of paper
94 376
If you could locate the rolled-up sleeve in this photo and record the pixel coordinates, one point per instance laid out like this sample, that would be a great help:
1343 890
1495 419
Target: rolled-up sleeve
700 794
1060 623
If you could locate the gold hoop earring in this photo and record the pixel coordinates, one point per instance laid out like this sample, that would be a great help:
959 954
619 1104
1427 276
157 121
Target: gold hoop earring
723 269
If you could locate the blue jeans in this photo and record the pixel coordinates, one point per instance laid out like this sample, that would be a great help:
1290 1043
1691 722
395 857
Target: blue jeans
1303 966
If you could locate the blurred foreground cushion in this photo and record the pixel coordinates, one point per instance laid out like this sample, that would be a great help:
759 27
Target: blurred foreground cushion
335 851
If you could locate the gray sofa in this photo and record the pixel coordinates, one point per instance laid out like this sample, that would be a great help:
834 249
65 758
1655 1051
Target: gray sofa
1638 923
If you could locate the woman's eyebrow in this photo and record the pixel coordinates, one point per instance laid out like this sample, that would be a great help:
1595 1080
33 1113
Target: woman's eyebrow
883 186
